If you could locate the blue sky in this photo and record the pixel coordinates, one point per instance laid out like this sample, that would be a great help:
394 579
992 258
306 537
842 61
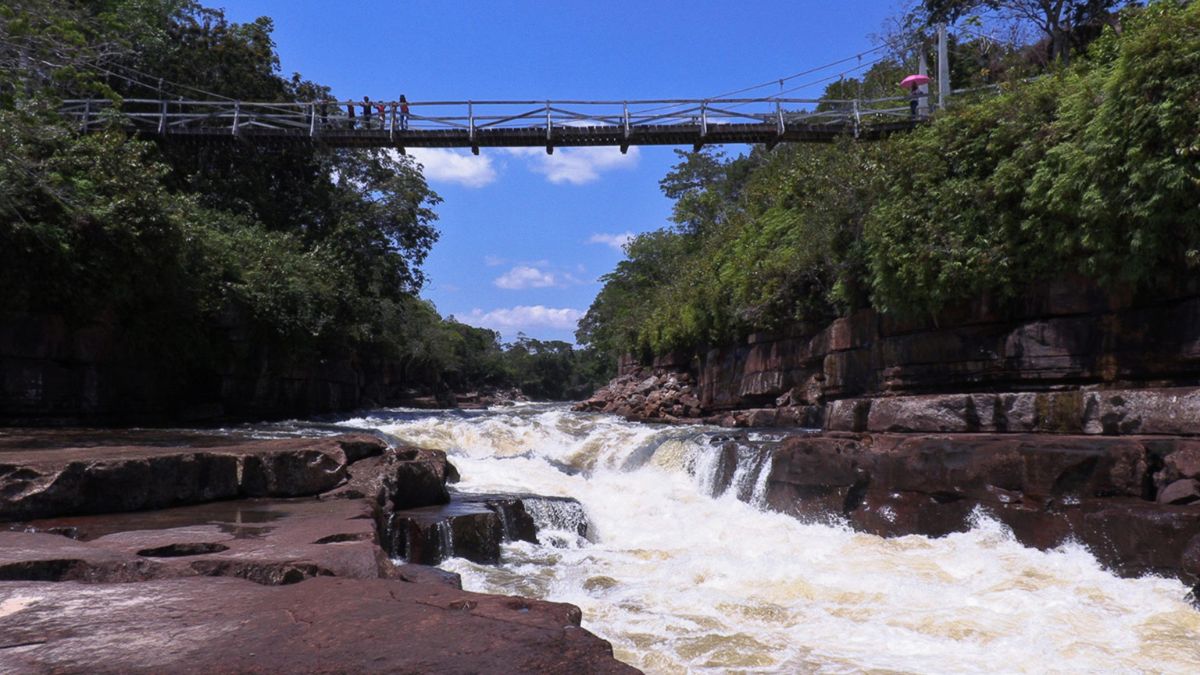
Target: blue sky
526 236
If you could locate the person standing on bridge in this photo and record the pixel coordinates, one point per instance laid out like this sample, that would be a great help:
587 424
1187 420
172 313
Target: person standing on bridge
403 113
366 112
350 114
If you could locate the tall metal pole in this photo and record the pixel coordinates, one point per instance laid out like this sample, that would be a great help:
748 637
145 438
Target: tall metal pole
922 89
943 64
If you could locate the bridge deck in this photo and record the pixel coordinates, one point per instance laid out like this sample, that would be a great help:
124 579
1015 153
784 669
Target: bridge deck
489 124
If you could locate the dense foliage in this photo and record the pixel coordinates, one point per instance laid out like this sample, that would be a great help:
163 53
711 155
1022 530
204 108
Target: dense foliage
213 256
1092 170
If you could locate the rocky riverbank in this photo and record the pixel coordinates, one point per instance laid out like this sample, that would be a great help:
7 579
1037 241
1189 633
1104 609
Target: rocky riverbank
186 552
1073 417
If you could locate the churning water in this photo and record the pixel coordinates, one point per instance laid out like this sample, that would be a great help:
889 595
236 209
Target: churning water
679 580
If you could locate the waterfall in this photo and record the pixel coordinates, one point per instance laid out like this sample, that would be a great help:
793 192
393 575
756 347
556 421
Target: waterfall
673 558
561 523
445 539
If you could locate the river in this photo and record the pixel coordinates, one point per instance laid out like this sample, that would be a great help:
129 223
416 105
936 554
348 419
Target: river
682 581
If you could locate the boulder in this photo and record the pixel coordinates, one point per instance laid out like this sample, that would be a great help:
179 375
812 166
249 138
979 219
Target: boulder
472 526
1183 491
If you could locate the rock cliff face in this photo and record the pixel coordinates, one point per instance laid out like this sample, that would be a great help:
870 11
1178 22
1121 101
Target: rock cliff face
1065 363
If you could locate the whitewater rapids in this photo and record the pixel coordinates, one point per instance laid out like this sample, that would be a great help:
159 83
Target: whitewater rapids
682 581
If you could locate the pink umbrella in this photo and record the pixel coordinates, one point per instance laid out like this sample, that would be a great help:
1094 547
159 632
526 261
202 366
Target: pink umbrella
914 81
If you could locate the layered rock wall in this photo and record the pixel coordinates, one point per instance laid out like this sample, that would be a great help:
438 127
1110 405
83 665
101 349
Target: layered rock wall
1063 363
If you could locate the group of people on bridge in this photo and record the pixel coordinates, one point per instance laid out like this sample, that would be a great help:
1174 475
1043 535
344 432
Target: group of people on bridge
374 114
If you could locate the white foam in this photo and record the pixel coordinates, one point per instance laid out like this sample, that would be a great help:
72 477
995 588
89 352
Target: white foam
680 581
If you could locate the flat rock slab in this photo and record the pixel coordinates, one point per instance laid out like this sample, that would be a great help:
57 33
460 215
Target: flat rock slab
322 625
267 541
64 473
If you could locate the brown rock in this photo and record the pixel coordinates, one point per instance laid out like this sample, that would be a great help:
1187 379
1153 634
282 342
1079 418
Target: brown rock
938 413
322 625
63 477
266 541
1184 491
1183 462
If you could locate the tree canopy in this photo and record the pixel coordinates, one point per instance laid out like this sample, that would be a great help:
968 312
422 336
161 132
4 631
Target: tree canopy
1091 170
198 250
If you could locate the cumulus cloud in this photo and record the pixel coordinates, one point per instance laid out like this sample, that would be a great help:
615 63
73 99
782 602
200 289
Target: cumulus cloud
576 165
524 318
442 165
525 277
616 241
531 276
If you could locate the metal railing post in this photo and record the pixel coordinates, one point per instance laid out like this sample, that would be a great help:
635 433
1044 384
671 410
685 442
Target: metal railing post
625 123
162 117
780 127
549 131
312 119
87 115
237 117
857 118
703 119
392 124
471 127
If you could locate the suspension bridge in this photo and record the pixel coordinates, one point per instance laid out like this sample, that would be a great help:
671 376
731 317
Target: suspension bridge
493 124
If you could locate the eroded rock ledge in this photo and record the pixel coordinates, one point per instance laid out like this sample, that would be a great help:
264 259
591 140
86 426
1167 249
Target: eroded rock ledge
1133 501
250 556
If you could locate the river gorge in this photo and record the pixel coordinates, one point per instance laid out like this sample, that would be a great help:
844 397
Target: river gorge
680 579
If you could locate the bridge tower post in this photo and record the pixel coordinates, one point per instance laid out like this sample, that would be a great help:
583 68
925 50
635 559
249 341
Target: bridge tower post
943 65
922 89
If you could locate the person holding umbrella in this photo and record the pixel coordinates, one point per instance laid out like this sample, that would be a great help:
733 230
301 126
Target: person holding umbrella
914 82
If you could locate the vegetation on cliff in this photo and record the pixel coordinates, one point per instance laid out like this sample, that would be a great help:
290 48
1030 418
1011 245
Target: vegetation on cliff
214 257
1091 169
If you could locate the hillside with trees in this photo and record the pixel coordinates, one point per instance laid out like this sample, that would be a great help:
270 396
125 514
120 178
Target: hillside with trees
1079 157
203 261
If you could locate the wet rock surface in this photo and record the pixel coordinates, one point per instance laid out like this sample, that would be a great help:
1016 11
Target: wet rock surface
224 566
473 526
323 625
52 473
1048 489
267 541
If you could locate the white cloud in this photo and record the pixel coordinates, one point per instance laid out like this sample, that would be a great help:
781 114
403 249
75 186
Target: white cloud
533 275
524 318
526 277
616 241
576 165
455 166
493 260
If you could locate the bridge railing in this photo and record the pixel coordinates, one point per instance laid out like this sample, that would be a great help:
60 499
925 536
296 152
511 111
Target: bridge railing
313 118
